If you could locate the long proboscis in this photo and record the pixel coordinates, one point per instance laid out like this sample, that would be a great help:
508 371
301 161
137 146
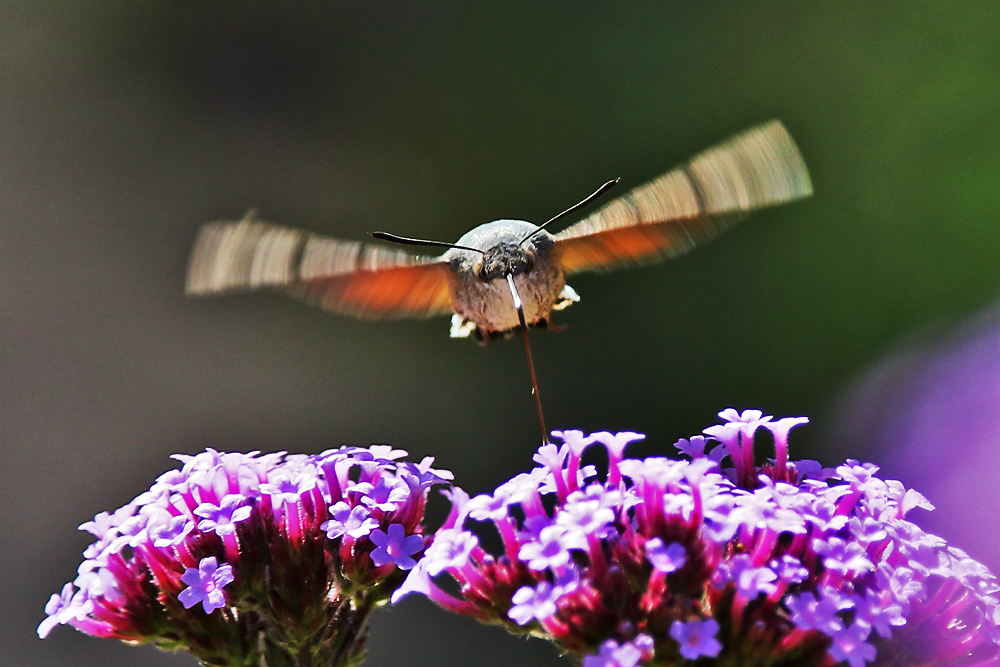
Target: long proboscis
519 306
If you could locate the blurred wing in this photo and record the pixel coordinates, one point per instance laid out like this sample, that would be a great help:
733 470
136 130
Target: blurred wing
348 277
690 204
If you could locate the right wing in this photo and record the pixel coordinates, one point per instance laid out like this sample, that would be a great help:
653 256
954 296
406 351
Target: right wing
349 277
690 204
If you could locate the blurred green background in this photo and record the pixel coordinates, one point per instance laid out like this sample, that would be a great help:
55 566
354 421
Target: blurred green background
125 126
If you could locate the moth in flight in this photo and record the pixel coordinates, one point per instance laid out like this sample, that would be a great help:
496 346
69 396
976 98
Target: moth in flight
507 274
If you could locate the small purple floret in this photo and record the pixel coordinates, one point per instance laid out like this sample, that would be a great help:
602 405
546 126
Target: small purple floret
395 546
205 585
531 604
354 522
174 532
288 489
57 610
450 549
222 519
850 645
613 655
697 638
665 558
384 495
551 550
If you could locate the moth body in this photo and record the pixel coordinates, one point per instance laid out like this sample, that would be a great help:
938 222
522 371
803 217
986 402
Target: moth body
478 286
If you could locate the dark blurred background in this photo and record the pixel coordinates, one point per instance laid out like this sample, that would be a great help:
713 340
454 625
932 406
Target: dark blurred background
125 126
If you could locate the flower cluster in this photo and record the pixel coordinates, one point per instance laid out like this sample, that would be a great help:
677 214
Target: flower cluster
243 557
660 561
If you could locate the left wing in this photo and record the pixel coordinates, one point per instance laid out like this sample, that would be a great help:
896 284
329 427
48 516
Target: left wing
690 204
349 277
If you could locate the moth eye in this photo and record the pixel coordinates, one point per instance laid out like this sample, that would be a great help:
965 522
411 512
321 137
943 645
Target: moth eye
480 270
530 255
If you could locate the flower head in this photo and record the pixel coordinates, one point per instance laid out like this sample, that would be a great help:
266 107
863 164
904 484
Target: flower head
667 560
267 544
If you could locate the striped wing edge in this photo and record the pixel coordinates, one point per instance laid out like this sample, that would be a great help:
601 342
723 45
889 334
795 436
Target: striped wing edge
690 204
349 277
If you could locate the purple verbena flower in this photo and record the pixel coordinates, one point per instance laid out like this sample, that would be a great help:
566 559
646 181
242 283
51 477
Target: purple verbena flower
276 541
782 563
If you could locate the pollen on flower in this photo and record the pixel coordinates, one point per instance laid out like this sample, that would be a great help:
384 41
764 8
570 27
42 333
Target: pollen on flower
713 558
277 542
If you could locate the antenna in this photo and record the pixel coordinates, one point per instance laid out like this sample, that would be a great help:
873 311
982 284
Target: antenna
403 240
575 207
527 351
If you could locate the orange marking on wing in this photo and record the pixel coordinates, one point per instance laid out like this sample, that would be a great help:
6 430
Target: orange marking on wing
624 245
420 290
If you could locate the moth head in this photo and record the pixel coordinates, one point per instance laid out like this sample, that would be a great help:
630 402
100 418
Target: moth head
505 258
505 250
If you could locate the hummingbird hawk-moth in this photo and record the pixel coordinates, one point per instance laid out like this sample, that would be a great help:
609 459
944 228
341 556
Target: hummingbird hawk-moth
507 274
